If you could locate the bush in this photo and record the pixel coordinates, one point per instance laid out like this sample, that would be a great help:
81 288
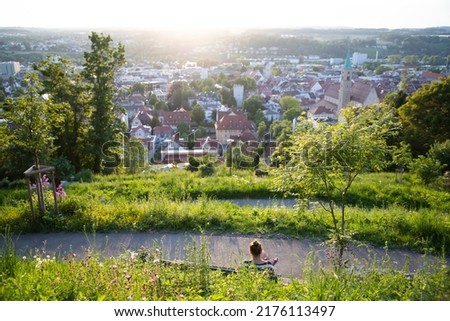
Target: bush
206 170
427 169
441 152
85 175
64 168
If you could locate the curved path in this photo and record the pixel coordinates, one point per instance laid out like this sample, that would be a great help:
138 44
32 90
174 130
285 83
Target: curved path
225 250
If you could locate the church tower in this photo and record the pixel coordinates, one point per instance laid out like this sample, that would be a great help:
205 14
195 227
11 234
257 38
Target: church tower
345 91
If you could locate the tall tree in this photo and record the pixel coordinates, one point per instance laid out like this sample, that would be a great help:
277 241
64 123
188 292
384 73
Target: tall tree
66 87
178 94
425 116
252 105
198 114
100 66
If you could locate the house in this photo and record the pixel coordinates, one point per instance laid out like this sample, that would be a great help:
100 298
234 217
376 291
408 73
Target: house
133 104
231 125
142 118
323 111
161 95
163 132
173 118
141 132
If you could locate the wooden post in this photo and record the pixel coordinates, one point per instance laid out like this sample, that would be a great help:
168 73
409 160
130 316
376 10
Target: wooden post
30 198
54 192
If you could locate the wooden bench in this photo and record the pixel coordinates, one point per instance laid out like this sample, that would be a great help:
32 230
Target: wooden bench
223 269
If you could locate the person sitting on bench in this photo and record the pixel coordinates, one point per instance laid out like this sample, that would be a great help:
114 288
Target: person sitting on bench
259 257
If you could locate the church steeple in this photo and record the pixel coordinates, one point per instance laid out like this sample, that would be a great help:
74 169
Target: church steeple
347 64
345 90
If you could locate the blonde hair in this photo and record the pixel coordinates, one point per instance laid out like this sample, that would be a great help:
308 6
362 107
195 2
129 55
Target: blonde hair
255 248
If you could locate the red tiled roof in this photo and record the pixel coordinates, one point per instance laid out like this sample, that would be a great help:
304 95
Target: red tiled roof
173 118
323 107
233 121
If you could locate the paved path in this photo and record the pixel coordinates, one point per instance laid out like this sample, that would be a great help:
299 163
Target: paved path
225 250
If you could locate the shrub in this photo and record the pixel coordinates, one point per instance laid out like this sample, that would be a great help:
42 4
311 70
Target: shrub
85 175
64 168
206 170
427 169
441 152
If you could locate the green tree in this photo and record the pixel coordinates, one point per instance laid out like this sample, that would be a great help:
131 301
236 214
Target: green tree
261 131
425 116
227 98
324 161
280 130
394 59
441 152
153 99
288 102
100 66
247 82
292 113
178 95
67 88
161 105
139 87
395 98
411 60
426 168
29 120
198 114
252 105
183 129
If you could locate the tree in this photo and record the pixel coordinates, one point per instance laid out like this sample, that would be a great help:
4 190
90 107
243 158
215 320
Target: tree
139 87
411 60
292 113
227 98
153 99
67 88
28 125
100 66
425 116
324 161
288 102
183 129
441 151
198 114
261 131
161 105
178 94
394 59
252 105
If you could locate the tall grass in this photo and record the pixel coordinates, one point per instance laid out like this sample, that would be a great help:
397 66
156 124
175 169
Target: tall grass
384 211
141 275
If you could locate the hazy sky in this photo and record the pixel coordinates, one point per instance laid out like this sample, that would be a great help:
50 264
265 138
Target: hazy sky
212 14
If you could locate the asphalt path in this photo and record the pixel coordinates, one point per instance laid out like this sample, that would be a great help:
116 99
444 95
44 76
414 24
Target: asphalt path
225 250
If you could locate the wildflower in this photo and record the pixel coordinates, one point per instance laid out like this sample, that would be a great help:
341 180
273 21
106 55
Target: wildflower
60 193
45 182
24 258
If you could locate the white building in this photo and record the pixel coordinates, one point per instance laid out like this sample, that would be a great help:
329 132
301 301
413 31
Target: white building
238 94
358 58
9 69
204 73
